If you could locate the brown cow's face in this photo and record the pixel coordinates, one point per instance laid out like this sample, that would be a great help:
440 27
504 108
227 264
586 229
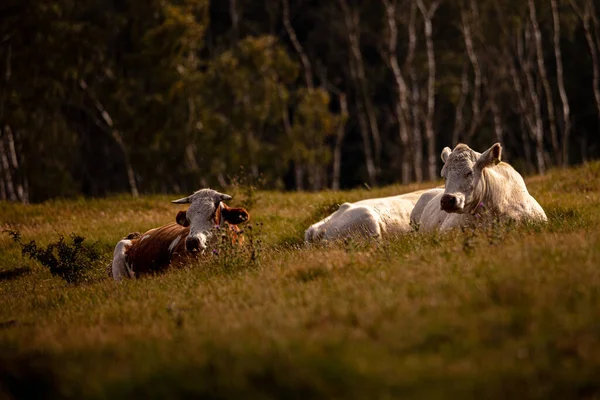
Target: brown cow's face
462 171
200 217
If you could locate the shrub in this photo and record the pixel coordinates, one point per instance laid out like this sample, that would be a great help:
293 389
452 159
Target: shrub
70 260
230 255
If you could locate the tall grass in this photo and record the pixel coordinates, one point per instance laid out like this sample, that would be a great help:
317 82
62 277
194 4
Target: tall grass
505 311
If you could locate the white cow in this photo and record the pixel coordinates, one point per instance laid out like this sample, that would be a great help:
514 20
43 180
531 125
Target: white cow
370 218
477 186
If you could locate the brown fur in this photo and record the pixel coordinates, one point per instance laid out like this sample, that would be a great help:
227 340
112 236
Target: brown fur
235 216
151 252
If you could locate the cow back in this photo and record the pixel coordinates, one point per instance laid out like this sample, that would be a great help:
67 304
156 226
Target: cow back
157 248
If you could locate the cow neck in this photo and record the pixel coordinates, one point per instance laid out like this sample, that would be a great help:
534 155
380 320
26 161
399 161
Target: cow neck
477 205
216 219
489 184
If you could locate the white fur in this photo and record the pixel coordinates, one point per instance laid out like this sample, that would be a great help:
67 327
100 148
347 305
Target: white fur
203 205
120 267
174 243
370 218
481 186
417 212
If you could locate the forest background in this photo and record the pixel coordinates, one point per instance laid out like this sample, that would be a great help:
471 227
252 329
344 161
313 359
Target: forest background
162 96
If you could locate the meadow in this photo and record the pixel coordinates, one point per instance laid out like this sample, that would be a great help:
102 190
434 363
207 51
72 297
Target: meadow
503 311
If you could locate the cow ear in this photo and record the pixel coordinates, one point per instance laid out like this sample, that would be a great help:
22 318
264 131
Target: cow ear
225 197
445 153
491 156
235 216
183 200
182 218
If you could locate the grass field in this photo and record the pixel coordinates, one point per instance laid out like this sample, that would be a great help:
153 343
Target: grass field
503 312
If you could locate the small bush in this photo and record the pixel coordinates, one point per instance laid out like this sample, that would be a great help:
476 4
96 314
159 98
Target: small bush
69 261
230 255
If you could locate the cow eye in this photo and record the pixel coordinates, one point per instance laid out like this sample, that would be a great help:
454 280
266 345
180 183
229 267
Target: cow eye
468 174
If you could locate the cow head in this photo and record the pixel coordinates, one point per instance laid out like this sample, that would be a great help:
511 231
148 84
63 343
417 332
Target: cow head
202 216
462 172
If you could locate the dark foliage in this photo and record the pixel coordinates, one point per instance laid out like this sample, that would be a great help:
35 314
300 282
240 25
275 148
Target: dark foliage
70 260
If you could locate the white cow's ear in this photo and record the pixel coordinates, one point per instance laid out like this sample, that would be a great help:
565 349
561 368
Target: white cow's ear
491 156
445 153
184 200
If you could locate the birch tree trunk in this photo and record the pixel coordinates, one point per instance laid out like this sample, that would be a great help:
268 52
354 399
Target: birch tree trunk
337 151
468 19
402 107
2 187
365 114
498 131
11 193
459 117
537 35
431 66
417 139
14 165
538 127
566 110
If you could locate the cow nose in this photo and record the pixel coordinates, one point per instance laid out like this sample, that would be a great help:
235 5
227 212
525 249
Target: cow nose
448 202
192 244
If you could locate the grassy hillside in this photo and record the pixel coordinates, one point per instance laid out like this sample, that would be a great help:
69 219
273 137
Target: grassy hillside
501 312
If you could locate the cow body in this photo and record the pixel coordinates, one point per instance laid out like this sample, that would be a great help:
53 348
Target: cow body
180 242
367 218
478 187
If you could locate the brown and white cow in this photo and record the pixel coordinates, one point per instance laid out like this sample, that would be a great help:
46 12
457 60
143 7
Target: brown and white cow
179 242
476 186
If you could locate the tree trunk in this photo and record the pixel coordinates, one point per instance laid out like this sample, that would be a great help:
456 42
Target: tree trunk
417 139
2 186
585 16
235 20
337 152
296 159
365 115
476 116
116 136
402 107
306 65
459 119
11 194
537 35
190 146
566 110
431 67
538 127
499 132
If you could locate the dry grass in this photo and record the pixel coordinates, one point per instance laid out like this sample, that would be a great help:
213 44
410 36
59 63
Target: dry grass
501 312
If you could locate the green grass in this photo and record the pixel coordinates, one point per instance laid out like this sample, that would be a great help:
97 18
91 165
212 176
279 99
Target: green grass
503 312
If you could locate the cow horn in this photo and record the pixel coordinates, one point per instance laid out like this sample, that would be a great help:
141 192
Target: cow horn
225 197
183 200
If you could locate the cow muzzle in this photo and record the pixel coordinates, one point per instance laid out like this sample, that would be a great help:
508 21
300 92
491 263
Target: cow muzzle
192 244
451 203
